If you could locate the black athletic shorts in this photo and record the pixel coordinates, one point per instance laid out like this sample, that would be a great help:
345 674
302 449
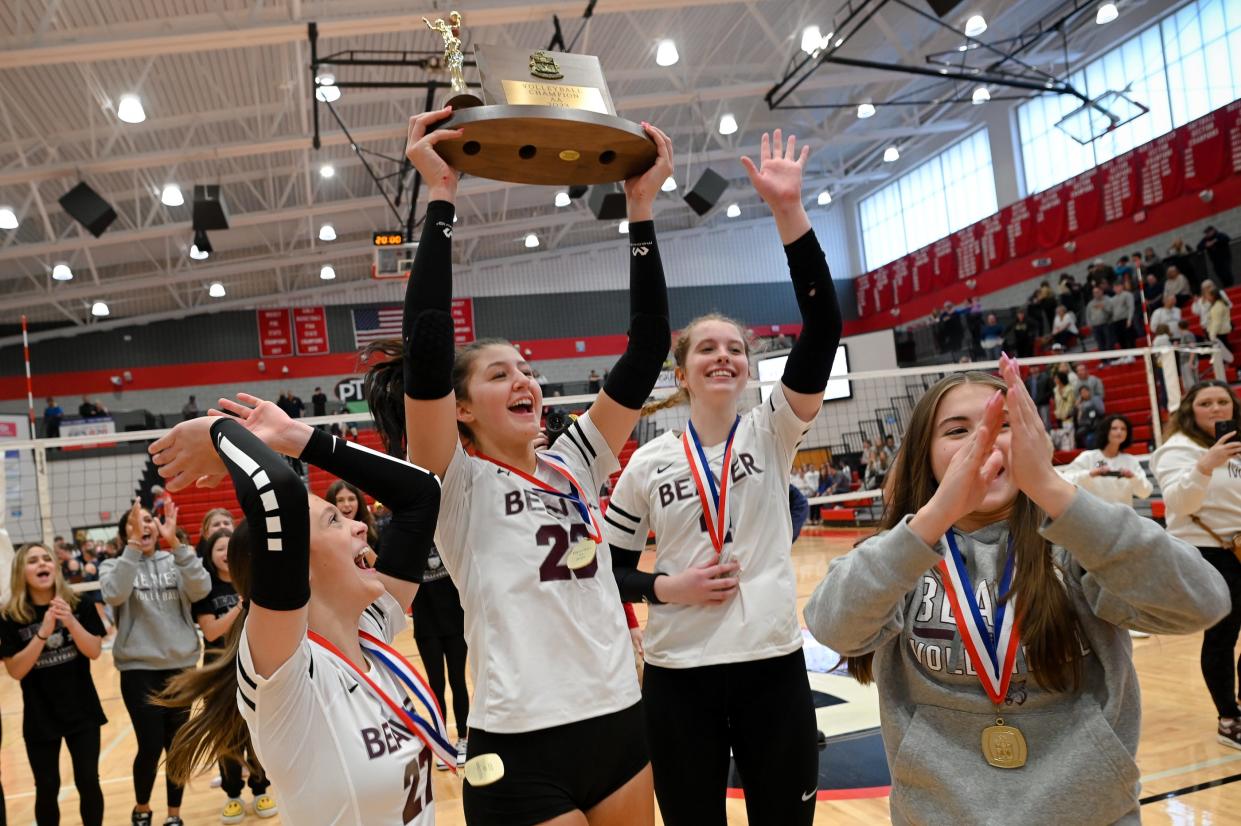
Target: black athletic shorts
555 770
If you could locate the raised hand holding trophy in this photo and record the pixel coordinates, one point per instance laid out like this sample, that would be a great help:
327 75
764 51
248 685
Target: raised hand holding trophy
545 118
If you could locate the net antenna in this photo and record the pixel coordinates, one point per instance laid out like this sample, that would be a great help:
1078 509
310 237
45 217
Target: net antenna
394 262
1101 115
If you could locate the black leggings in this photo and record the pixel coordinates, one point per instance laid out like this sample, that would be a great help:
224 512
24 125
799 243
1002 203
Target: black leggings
763 710
434 651
1220 668
154 727
230 777
44 758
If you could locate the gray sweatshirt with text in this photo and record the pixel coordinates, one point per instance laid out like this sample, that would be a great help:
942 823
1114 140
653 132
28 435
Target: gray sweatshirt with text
152 596
1121 571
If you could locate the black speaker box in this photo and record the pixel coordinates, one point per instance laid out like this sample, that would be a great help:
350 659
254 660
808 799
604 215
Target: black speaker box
208 208
706 193
943 7
607 202
89 209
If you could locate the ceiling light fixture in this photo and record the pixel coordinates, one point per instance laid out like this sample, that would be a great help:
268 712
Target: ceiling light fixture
8 218
623 227
171 196
975 26
981 95
130 110
327 171
812 39
865 110
733 211
669 184
666 53
728 124
532 241
825 198
99 309
327 90
61 272
327 233
563 199
327 273
216 290
1106 14
891 155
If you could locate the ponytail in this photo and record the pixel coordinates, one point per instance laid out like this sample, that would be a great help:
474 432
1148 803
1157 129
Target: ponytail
680 397
383 387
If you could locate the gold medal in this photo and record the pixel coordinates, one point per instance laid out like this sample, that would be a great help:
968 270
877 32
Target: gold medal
581 554
1003 746
484 769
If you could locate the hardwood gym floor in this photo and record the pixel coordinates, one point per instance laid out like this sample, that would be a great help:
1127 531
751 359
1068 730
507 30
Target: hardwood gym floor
1178 749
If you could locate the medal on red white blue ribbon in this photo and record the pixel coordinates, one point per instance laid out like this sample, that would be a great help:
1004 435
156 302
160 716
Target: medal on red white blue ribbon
993 651
712 495
582 552
430 729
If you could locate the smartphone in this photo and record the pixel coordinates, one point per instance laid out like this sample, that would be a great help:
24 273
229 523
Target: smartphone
1221 428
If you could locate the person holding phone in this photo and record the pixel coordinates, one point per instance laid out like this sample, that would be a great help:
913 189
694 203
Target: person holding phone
1197 470
1109 472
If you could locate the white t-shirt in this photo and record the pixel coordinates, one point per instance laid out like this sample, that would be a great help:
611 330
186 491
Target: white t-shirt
335 754
1109 488
548 645
657 491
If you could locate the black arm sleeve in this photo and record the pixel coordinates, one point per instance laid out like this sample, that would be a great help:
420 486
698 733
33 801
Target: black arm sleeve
426 326
634 375
277 512
634 585
411 493
810 360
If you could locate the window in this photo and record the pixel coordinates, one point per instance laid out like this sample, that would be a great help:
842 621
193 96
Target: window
1182 67
952 190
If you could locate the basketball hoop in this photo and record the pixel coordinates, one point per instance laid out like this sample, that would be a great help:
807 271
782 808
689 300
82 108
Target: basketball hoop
394 262
1105 113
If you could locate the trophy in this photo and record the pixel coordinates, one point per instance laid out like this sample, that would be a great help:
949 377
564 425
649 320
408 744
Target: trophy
545 118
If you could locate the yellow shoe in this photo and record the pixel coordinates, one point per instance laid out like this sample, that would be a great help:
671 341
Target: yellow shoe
265 806
234 811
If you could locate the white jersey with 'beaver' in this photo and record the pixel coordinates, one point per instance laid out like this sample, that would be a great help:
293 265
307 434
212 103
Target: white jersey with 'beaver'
548 645
657 491
335 754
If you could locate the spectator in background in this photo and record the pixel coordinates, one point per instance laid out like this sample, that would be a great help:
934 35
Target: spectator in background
439 634
190 410
70 560
864 457
1063 397
1123 267
151 592
1151 260
91 410
1169 314
992 337
318 402
1152 291
1188 361
1084 376
1038 382
1167 377
1108 472
52 414
47 639
974 321
1121 306
1177 286
1021 334
891 445
592 381
216 519
1216 246
296 406
1047 304
1099 319
1218 326
839 481
1086 417
1064 327
351 503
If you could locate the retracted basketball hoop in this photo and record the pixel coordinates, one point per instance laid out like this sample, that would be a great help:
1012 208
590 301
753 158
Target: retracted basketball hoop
394 256
1103 114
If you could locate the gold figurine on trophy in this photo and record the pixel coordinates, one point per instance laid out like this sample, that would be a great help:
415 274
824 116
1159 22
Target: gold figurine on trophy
450 30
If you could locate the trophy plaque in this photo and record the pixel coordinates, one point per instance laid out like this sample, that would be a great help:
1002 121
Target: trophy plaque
546 118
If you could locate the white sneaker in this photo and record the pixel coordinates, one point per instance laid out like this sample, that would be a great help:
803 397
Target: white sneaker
217 781
1138 635
461 748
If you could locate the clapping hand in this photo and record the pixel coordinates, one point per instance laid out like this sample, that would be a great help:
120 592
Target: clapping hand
269 423
1029 448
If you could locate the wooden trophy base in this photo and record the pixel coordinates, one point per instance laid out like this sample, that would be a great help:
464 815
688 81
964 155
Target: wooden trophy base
547 145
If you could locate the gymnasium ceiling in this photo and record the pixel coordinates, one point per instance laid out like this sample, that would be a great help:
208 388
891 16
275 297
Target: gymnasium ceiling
225 86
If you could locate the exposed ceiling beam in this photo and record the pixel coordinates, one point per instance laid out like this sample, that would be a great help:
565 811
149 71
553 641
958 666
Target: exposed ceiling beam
205 32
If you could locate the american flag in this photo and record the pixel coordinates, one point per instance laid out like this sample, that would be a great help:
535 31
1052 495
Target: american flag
376 324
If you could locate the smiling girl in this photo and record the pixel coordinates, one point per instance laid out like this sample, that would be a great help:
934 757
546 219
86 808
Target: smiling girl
991 609
47 640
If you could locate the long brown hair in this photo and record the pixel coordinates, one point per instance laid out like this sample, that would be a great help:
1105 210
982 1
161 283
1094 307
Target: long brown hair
680 352
363 515
383 386
1048 624
19 607
216 728
1183 421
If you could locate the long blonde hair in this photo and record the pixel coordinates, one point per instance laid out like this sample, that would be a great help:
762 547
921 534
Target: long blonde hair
19 607
1048 623
680 352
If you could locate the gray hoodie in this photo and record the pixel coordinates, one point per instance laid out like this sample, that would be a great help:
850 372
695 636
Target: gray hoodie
1122 571
152 595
